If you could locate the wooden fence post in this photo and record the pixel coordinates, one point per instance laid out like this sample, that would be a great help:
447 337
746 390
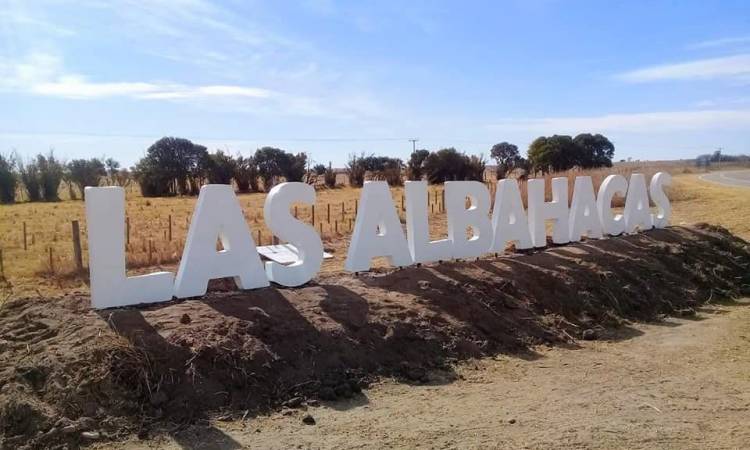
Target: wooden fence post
328 213
402 203
169 234
78 255
259 242
25 246
356 206
295 211
313 215
127 230
343 211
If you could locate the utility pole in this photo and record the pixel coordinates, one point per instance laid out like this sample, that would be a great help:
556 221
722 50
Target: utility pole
413 144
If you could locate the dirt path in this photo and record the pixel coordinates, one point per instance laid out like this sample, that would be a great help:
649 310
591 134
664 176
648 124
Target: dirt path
680 384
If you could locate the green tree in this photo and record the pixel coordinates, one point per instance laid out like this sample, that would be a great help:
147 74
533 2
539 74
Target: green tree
270 162
506 158
415 165
553 154
8 179
246 174
595 150
29 173
172 166
319 169
85 172
221 168
294 167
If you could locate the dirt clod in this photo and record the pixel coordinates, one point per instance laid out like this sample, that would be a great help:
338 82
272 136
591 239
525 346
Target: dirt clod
589 334
308 420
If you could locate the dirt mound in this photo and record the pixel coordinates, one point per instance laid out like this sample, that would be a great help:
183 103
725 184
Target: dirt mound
70 375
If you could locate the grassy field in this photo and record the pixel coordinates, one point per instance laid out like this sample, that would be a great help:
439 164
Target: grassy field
158 226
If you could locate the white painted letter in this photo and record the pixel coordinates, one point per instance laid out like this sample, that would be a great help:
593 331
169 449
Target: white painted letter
584 218
556 210
660 199
281 222
110 286
509 223
418 228
377 230
612 224
637 211
460 218
218 216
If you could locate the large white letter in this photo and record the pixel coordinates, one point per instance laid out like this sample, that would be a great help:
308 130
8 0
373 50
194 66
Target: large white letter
418 228
218 216
637 211
556 210
509 222
664 209
584 218
377 230
286 227
475 217
612 224
110 286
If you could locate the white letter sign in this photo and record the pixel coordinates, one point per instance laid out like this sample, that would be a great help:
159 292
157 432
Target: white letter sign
377 230
218 216
110 287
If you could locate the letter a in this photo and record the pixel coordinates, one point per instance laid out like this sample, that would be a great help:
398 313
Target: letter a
218 216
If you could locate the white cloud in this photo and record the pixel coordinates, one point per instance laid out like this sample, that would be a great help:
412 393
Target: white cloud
723 42
42 74
649 122
735 67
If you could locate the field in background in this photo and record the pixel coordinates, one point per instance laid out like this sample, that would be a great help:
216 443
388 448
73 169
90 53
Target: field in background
36 239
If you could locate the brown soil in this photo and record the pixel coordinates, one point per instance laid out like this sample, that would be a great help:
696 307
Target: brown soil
70 375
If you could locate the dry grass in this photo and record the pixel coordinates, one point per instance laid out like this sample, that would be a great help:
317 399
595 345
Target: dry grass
48 225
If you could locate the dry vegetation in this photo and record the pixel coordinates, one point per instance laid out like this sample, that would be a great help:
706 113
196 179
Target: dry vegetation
47 263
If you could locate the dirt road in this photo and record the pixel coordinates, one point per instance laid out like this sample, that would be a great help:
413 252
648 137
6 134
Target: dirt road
734 178
684 383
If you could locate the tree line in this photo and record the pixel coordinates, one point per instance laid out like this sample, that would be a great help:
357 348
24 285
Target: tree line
41 177
177 166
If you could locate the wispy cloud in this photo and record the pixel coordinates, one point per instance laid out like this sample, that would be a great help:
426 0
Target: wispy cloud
43 74
723 42
647 122
735 67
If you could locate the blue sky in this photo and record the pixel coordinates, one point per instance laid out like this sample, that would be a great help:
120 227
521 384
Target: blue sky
663 80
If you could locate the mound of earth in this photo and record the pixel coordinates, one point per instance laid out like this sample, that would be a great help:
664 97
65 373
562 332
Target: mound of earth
70 375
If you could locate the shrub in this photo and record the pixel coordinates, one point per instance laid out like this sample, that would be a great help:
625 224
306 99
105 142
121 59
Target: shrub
329 177
51 173
356 170
85 172
449 164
